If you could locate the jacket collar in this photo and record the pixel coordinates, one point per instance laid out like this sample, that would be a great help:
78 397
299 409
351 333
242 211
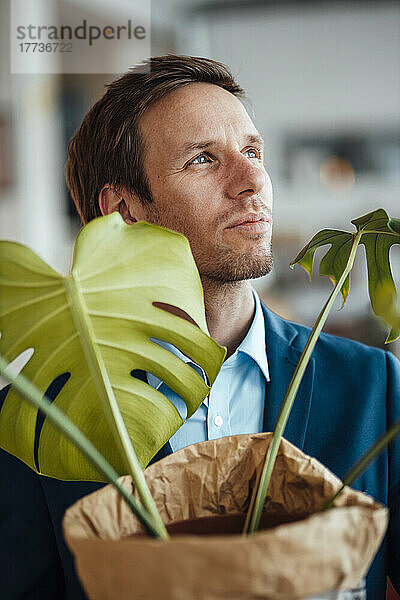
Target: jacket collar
283 352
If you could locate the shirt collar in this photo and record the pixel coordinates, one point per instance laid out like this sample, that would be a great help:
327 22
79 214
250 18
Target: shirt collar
253 346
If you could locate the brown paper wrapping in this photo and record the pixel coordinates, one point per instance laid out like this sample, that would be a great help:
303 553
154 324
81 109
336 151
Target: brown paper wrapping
324 551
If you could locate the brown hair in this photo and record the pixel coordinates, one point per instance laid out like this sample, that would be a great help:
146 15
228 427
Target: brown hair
107 147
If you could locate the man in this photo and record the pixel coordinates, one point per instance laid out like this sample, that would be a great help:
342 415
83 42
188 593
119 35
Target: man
173 145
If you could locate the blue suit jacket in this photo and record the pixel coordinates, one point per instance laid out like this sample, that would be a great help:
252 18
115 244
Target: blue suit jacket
350 394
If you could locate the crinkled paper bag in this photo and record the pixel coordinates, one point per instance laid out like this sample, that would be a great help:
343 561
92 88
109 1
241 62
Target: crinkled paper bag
294 560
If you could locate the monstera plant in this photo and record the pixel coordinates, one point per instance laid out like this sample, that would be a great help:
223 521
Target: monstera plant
89 331
129 287
378 233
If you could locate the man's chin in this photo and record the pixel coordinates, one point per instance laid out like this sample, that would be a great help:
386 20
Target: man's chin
241 269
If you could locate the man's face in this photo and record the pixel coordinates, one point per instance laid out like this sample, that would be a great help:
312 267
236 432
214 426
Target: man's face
204 165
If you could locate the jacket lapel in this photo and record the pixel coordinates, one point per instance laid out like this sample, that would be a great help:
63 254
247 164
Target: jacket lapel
283 353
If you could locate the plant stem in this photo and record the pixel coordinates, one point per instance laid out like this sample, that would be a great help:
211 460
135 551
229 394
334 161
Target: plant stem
365 460
260 489
71 431
105 390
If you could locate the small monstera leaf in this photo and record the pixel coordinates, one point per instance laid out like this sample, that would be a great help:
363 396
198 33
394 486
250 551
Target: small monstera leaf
388 306
379 234
90 330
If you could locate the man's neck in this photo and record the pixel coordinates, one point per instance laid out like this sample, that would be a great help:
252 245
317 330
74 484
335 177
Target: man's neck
230 309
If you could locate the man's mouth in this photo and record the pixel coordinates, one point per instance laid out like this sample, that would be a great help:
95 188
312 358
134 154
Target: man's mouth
254 223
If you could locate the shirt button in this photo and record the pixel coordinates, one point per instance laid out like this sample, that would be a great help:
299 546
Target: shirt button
218 421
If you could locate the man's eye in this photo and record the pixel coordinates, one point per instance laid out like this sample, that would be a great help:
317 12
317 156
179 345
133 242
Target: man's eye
200 160
255 153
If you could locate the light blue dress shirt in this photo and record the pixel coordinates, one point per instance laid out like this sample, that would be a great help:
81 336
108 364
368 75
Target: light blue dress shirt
236 401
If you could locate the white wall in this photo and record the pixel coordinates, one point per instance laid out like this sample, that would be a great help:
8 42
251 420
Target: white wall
31 209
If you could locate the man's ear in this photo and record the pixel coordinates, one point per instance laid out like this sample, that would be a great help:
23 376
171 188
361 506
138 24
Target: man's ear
128 206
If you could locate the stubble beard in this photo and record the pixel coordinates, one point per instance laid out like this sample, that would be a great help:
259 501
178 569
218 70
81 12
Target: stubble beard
226 265
233 266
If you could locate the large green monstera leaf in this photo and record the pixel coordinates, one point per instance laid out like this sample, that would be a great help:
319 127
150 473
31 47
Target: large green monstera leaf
90 330
379 234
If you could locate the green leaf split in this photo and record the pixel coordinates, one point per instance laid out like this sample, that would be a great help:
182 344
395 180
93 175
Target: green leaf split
379 234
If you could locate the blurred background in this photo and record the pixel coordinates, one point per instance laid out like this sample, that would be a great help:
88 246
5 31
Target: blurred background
323 86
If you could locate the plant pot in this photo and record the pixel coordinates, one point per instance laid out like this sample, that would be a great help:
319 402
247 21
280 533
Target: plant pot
202 493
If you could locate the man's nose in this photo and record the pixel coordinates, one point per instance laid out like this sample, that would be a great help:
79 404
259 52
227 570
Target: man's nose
245 177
